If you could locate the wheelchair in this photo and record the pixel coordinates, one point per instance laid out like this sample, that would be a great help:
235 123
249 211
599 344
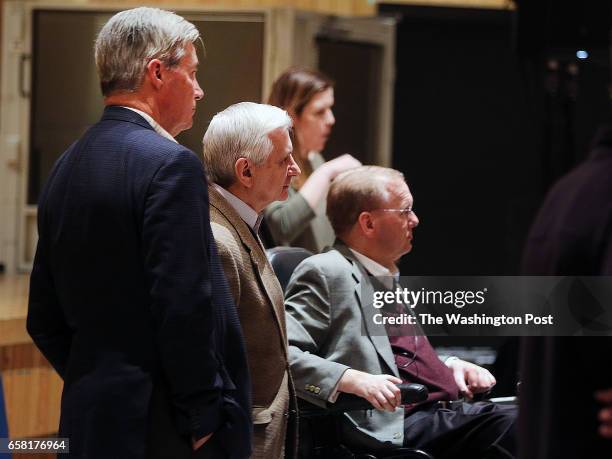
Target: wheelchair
321 431
320 428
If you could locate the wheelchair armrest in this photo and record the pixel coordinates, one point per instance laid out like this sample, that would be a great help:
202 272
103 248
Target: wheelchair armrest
411 393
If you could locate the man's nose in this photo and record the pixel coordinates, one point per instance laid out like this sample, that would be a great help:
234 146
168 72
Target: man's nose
413 220
294 169
199 93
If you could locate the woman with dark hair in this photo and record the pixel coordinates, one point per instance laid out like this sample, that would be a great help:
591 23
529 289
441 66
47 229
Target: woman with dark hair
308 97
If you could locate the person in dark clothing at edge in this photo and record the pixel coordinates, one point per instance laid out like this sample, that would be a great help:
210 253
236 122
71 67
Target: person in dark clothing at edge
571 236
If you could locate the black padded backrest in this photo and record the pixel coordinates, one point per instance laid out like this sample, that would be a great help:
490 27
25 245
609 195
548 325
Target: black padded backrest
284 260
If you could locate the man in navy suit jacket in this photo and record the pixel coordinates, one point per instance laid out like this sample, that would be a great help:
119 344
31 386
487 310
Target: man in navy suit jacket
128 300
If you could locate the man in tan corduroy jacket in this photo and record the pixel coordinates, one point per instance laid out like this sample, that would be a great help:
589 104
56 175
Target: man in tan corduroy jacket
247 155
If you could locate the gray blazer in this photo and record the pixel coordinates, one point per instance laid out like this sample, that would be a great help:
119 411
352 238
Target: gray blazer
330 328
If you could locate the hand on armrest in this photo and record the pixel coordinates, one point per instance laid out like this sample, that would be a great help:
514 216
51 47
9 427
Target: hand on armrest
380 390
471 379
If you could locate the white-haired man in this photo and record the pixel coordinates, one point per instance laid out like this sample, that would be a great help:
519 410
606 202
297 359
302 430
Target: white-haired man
335 345
128 300
247 152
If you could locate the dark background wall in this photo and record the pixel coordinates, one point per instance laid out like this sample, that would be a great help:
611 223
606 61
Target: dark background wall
491 108
483 125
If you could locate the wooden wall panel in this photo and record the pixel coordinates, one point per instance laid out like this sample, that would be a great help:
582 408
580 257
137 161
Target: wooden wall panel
32 397
485 4
339 7
32 389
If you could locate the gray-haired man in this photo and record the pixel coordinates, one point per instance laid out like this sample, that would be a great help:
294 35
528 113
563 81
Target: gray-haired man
128 300
247 151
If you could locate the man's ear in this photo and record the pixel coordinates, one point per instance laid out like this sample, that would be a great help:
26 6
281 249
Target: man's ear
366 223
154 72
243 172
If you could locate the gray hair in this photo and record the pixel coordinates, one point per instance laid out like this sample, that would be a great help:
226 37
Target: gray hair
131 38
358 190
240 131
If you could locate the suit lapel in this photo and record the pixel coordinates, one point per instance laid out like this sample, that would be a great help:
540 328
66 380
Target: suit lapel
364 291
252 244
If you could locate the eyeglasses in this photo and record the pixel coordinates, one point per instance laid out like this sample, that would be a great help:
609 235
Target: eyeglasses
403 212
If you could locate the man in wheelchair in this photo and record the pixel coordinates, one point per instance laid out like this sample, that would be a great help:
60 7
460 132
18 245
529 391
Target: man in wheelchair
335 346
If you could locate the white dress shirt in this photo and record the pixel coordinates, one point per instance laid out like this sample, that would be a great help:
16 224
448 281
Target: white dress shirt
246 212
154 124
